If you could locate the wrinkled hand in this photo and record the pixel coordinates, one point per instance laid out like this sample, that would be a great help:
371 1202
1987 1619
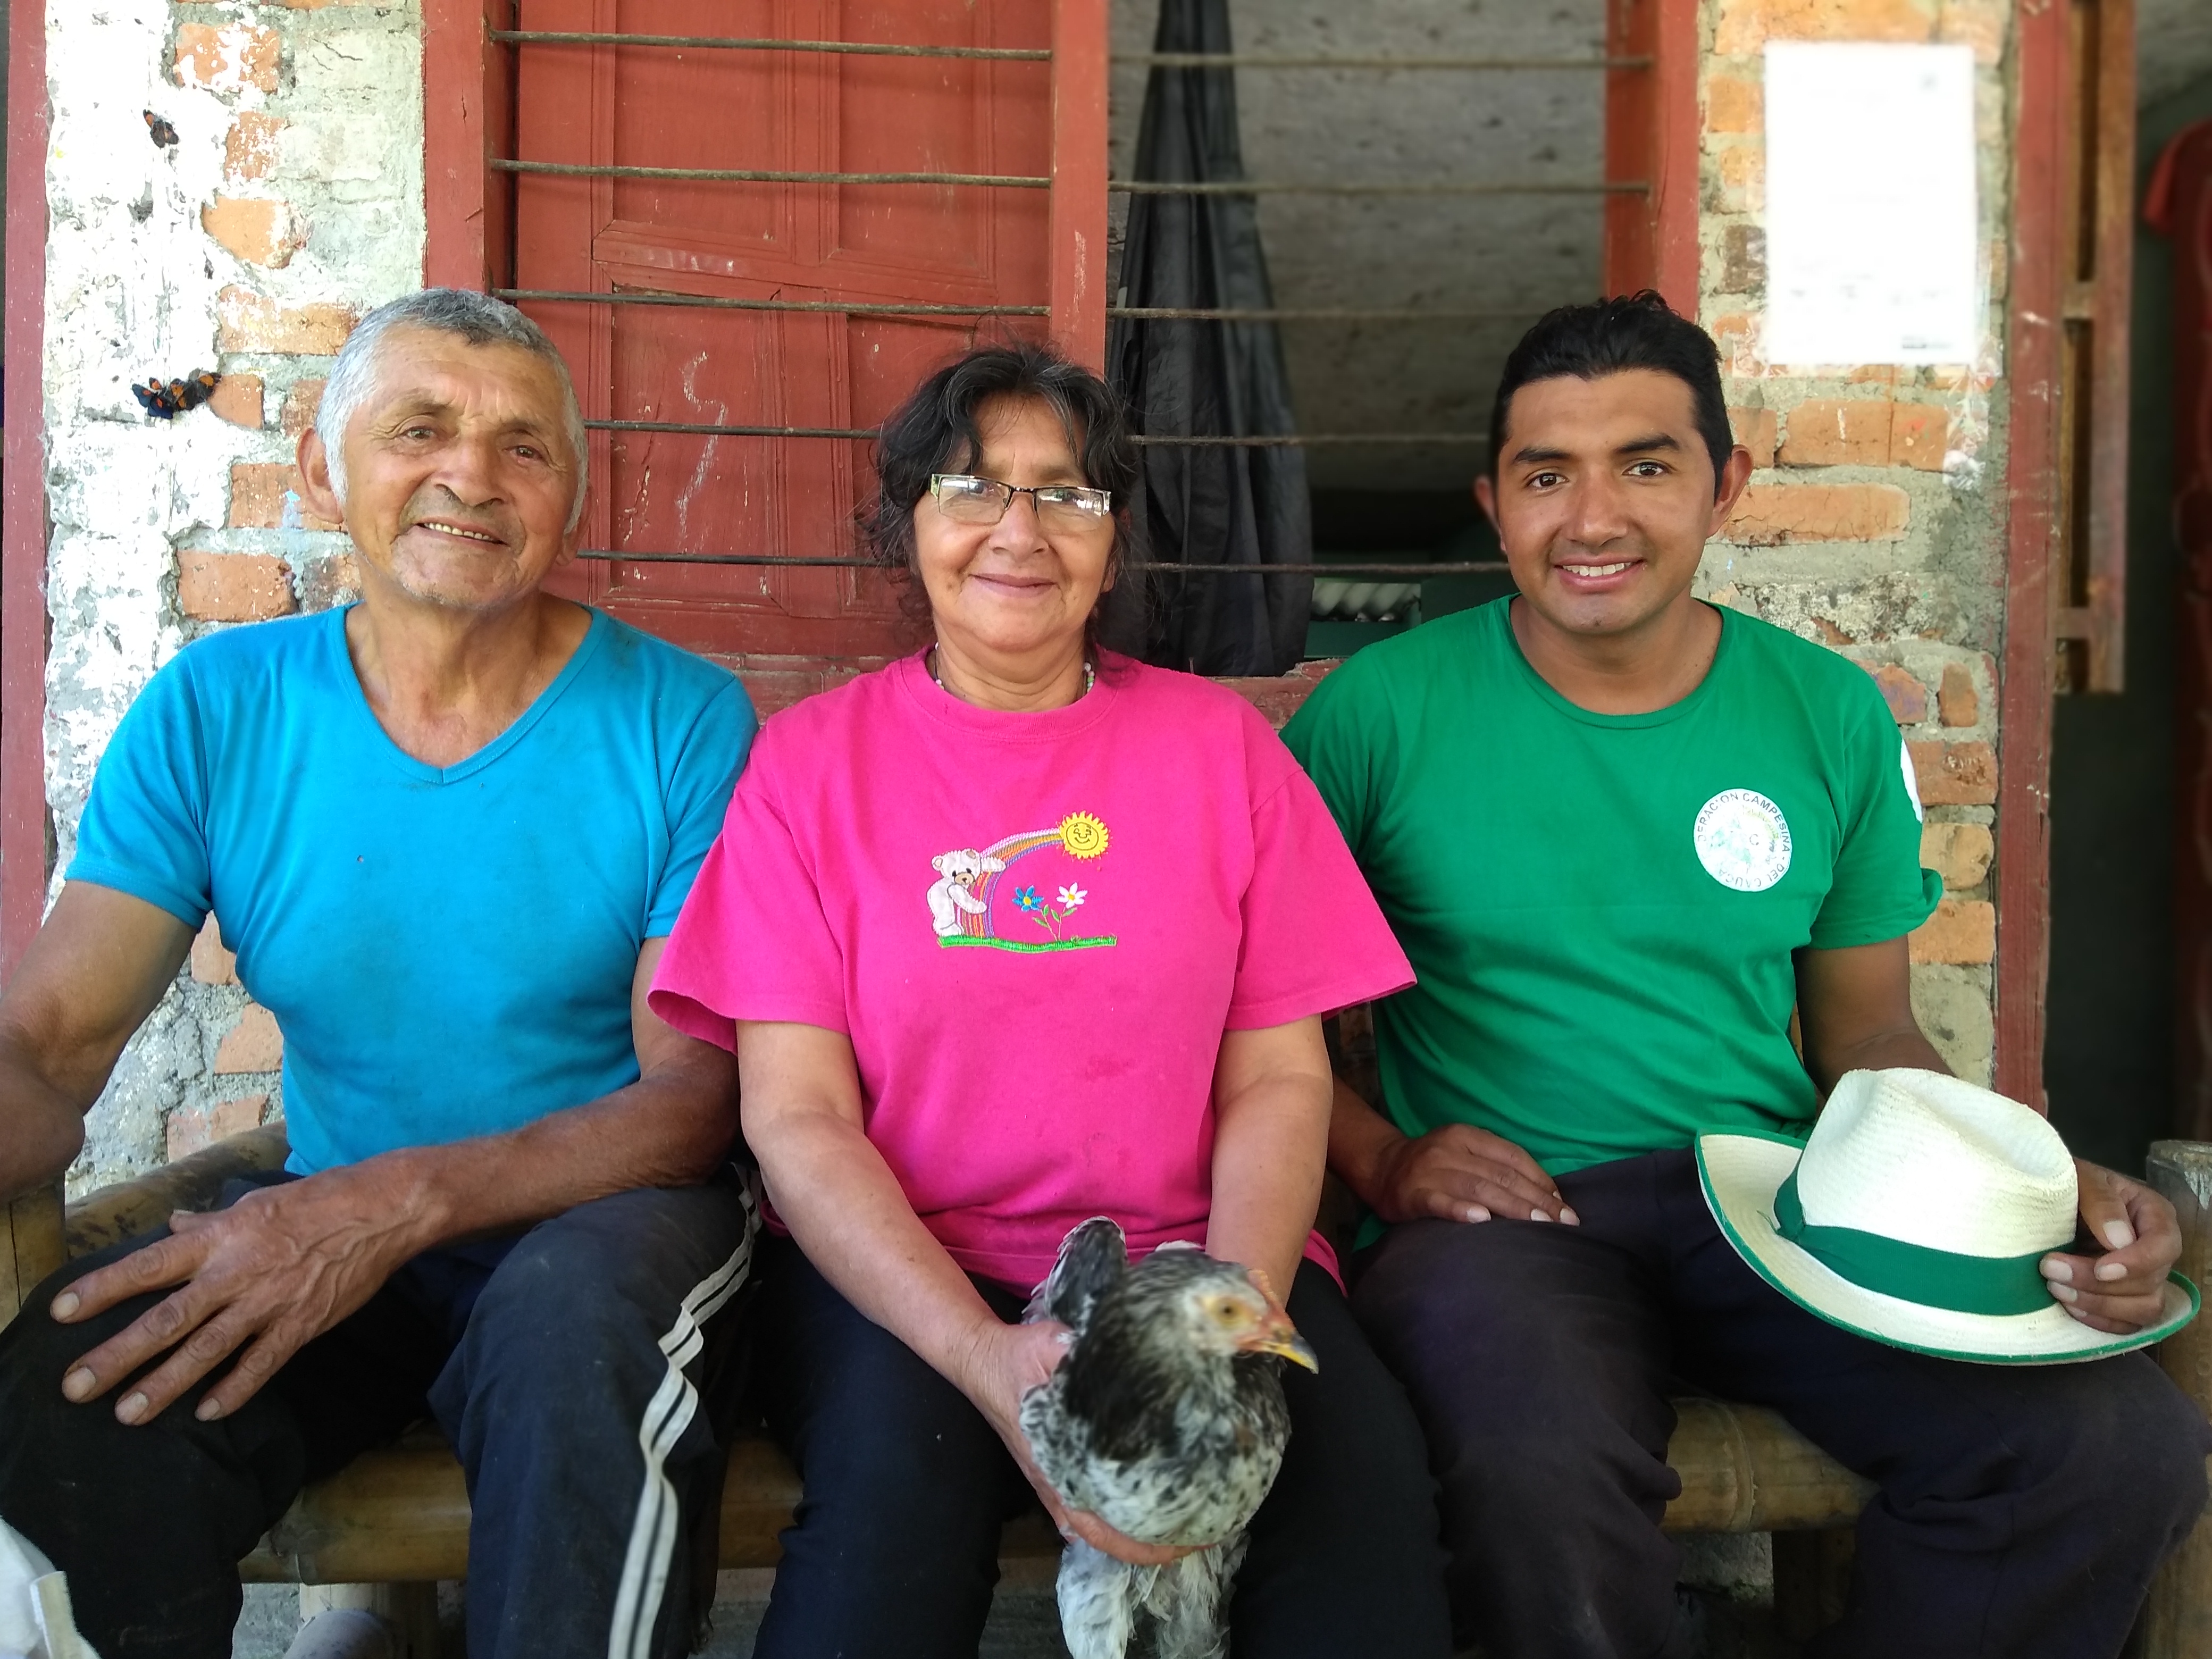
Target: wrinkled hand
1460 1173
1012 1360
271 1272
2118 1291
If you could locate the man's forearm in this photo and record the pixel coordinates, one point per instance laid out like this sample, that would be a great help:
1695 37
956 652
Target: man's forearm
670 1129
1360 1140
41 1130
1908 1047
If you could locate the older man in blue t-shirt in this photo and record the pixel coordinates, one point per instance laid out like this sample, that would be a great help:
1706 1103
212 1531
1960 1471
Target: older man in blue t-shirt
447 830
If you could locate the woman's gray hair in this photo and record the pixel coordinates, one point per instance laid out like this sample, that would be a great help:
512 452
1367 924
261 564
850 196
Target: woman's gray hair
476 317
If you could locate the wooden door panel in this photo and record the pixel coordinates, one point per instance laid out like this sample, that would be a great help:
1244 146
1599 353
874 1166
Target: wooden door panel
791 497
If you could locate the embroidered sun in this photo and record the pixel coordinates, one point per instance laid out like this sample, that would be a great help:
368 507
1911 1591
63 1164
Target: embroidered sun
1083 836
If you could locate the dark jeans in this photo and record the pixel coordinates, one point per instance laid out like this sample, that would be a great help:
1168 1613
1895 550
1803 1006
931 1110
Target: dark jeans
894 1551
2022 1508
565 1366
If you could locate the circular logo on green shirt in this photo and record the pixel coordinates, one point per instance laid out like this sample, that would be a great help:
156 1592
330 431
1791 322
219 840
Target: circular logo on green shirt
1743 841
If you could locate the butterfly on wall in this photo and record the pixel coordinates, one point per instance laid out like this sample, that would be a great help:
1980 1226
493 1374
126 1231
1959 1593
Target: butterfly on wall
167 400
164 135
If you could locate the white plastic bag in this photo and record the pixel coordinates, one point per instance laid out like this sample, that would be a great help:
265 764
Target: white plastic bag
35 1622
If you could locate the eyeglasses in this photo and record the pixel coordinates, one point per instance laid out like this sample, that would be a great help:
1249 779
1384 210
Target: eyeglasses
968 500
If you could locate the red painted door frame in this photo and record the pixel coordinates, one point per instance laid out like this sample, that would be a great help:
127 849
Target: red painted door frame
2036 307
23 498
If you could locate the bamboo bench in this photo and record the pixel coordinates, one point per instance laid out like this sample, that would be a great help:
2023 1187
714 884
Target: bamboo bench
400 1515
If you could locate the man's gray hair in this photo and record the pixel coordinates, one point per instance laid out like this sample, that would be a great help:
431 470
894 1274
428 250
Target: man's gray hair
476 317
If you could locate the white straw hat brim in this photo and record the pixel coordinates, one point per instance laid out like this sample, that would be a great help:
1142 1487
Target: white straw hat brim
1741 1174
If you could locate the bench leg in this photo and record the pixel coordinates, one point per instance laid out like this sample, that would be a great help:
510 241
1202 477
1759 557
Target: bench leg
2178 1618
1812 1575
30 1245
333 1625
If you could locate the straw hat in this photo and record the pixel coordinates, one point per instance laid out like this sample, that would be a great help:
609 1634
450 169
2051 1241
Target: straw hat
1916 1214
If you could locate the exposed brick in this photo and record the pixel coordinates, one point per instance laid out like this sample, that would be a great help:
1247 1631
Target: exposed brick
1962 931
1874 374
234 586
300 403
325 584
1747 25
258 493
1734 104
228 58
1755 430
192 1128
1737 334
1837 432
254 1044
1919 434
1977 23
249 151
1959 852
1743 178
247 321
213 964
1743 259
1957 702
257 229
1955 774
1770 515
1906 698
237 398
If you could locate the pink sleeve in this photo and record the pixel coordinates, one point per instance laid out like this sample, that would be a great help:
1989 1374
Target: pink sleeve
1315 940
752 943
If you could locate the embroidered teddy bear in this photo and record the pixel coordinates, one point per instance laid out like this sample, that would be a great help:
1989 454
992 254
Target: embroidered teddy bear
958 872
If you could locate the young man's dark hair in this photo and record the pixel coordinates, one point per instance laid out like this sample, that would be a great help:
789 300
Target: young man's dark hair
1635 331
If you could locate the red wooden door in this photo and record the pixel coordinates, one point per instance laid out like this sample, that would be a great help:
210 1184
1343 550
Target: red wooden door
970 247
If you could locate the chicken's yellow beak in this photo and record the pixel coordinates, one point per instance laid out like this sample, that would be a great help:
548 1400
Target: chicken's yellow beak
1279 1337
1292 1346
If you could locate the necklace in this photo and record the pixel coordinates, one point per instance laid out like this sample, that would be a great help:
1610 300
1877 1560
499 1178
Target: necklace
1090 676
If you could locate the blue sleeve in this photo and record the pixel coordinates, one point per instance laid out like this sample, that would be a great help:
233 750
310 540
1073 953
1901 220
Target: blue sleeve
697 792
145 828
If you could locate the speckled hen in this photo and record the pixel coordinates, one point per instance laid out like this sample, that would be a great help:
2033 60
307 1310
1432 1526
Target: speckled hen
1167 1421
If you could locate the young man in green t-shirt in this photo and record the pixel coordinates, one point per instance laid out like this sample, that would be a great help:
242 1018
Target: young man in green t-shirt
1621 834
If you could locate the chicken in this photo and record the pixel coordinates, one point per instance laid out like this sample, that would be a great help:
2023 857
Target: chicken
1167 1421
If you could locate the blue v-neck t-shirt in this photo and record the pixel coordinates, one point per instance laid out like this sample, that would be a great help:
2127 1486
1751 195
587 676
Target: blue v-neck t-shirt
449 951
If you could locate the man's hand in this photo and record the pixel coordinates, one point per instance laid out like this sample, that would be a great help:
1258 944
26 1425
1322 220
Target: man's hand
2121 1291
1460 1173
271 1273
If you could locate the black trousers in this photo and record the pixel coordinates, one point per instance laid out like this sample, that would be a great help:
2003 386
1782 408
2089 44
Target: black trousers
2022 1508
894 1551
565 1365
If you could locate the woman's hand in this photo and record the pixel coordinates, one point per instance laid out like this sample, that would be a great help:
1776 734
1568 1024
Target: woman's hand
1006 1363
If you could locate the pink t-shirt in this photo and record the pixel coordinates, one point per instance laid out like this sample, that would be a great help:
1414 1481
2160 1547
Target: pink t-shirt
1034 928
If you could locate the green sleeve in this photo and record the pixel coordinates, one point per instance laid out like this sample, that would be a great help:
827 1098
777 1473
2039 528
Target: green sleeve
1333 737
1879 891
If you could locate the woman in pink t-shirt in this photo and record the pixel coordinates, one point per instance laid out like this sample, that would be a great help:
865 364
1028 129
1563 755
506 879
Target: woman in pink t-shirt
1014 932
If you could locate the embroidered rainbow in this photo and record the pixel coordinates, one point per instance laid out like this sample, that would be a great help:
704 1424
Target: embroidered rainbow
1081 834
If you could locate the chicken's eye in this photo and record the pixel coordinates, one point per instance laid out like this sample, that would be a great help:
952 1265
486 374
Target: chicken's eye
1229 1312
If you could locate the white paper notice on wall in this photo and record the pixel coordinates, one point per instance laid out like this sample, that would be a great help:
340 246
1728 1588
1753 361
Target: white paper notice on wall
1873 245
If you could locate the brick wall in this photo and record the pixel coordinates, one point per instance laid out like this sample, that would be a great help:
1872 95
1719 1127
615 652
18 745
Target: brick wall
1874 522
288 202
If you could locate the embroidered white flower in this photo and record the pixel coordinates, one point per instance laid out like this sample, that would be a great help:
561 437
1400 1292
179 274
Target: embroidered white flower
1070 897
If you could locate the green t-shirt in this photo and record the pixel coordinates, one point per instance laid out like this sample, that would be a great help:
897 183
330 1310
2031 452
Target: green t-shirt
1602 908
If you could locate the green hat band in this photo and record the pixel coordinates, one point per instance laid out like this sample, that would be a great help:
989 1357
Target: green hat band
1915 1273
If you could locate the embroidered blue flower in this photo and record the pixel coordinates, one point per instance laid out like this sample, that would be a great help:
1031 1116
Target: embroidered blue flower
1028 899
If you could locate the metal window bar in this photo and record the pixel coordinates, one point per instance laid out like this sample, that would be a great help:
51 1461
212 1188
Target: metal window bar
765 175
713 42
1268 441
1039 55
1126 186
1150 313
1354 571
